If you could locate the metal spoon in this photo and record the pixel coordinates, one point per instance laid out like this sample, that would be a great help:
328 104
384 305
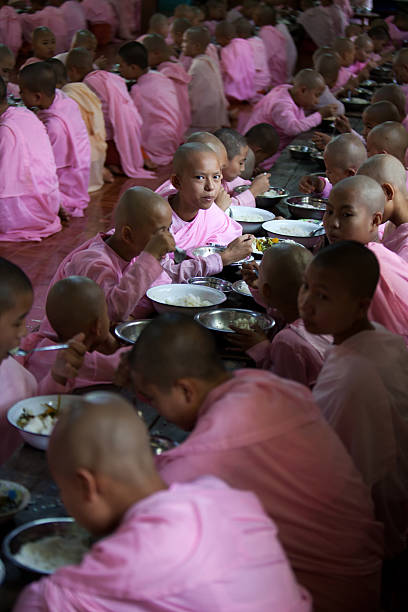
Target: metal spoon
18 352
179 255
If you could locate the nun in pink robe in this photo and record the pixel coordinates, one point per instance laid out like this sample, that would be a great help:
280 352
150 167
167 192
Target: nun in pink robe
194 547
345 75
122 120
74 16
238 70
362 392
207 98
175 71
397 241
275 44
242 199
72 151
10 29
100 12
397 36
262 73
50 17
29 193
291 50
265 434
155 97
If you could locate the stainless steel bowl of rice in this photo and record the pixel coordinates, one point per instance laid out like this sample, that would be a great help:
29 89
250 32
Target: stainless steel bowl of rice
185 298
220 320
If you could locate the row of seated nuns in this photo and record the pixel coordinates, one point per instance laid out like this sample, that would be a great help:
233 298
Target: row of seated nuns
290 493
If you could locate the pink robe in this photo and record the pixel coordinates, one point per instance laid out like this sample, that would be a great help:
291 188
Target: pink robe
50 17
389 306
245 198
125 17
328 97
211 51
362 392
122 120
238 70
29 194
194 547
31 60
265 434
291 50
207 98
397 241
100 11
397 36
318 24
275 44
357 67
262 72
294 353
74 16
155 97
345 75
175 71
72 151
279 109
10 29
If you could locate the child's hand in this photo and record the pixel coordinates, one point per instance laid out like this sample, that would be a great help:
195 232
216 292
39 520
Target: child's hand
246 338
321 140
68 362
343 124
250 274
161 243
260 184
330 110
223 199
311 184
238 249
102 63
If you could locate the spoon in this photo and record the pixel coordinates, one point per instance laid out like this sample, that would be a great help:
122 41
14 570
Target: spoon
18 352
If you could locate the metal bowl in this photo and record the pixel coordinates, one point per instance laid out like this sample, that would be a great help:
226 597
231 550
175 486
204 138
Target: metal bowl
18 495
220 319
268 199
242 288
306 206
361 92
382 74
211 281
205 251
355 105
244 214
369 84
318 157
294 229
130 331
36 530
161 293
300 151
160 444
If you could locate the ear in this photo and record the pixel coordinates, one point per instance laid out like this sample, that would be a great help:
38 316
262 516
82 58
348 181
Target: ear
187 388
351 172
126 234
175 181
377 219
87 485
388 190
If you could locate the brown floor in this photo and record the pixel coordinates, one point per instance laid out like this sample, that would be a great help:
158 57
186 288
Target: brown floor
39 260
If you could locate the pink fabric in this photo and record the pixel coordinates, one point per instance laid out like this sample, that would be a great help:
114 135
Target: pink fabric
318 23
397 241
245 198
279 109
211 51
275 45
199 546
207 99
397 35
122 120
243 434
357 67
389 306
175 71
338 19
100 11
75 20
10 28
238 69
50 17
362 392
125 13
328 97
262 72
72 151
345 7
211 25
294 353
155 97
31 60
344 75
13 90
291 50
29 194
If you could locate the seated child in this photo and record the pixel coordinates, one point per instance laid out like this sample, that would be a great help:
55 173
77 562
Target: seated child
216 12
237 150
392 176
362 64
328 65
237 63
49 17
346 51
76 305
102 20
322 23
155 97
10 27
390 137
159 58
91 112
29 193
101 445
400 67
293 353
7 64
262 79
362 390
159 24
74 16
206 90
398 27
67 133
395 94
275 44
16 382
122 119
354 212
242 425
263 140
381 40
284 107
43 42
178 26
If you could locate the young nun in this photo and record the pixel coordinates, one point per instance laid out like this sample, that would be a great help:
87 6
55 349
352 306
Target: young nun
395 94
155 97
159 58
102 20
177 29
263 141
364 49
284 107
180 547
346 79
7 64
242 425
262 79
392 176
354 212
122 119
159 24
390 137
328 65
237 63
10 27
275 44
16 298
47 16
206 90
362 390
74 15
294 353
400 67
43 42
82 38
29 194
67 133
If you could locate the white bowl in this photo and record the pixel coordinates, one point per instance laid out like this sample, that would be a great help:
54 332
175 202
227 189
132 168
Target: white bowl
35 405
160 294
244 214
292 229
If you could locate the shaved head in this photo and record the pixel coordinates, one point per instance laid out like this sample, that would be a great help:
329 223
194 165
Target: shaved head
213 143
233 141
385 169
86 39
156 43
283 266
200 36
328 65
39 77
81 59
188 155
393 93
244 28
180 25
343 45
166 351
157 21
402 57
225 30
390 137
346 151
360 191
264 15
138 206
40 32
380 112
264 136
311 79
13 281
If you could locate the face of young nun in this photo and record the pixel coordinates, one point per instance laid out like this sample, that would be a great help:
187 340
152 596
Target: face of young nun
13 323
349 221
6 68
45 47
200 181
236 166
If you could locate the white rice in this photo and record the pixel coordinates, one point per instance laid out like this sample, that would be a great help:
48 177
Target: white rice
245 323
271 193
189 300
248 218
42 426
50 553
292 230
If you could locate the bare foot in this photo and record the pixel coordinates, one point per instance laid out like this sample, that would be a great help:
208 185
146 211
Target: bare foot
107 176
64 216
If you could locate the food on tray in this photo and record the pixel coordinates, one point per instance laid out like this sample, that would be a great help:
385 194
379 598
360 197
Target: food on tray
189 300
245 218
50 553
261 244
42 423
244 323
271 193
